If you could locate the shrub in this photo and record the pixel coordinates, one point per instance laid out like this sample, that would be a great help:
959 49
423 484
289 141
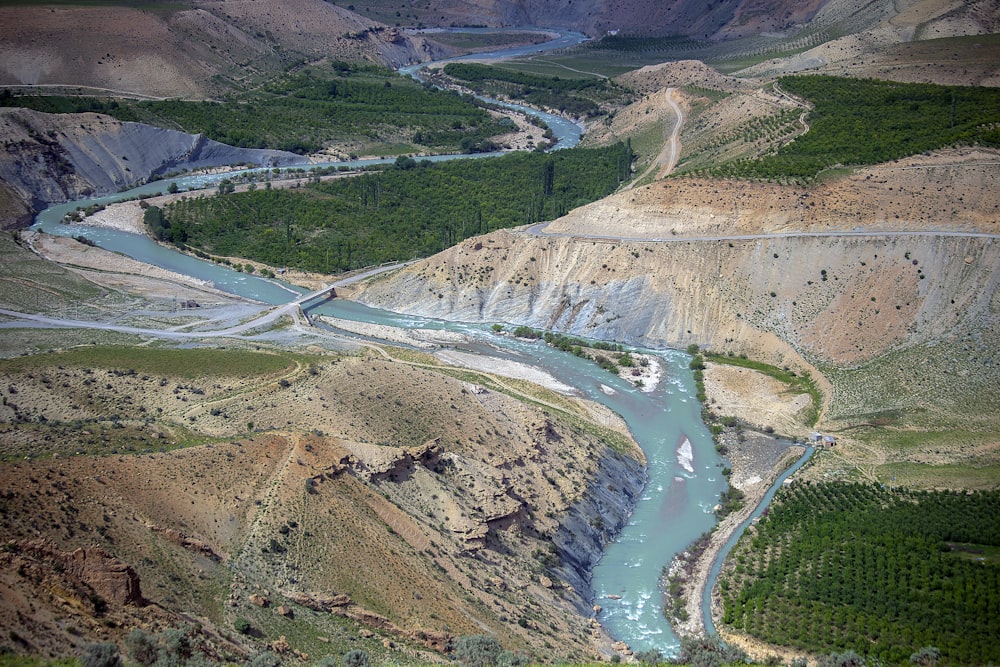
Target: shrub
176 644
650 657
927 656
141 647
103 654
708 652
845 659
243 626
264 659
355 658
477 651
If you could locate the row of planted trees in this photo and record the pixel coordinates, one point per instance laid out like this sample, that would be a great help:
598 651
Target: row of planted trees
861 122
880 572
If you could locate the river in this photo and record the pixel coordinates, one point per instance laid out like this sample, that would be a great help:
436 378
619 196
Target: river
684 471
566 131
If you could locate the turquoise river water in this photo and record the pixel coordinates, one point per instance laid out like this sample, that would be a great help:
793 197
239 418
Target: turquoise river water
684 471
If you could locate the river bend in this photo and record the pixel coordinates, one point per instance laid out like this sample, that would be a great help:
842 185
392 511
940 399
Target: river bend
684 471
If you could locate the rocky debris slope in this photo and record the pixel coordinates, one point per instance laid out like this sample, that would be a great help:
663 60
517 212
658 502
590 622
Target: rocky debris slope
51 158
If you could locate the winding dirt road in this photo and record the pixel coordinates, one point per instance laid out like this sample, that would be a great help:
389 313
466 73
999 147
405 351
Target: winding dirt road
666 161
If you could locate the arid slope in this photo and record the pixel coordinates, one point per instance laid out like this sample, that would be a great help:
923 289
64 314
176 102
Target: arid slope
683 261
193 52
372 496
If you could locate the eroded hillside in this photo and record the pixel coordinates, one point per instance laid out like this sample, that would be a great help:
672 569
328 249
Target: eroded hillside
51 158
896 261
386 505
188 50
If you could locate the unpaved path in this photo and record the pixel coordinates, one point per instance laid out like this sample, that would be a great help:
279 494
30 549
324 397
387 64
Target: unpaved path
667 159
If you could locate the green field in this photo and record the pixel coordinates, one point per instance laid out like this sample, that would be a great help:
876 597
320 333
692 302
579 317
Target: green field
187 364
884 573
306 110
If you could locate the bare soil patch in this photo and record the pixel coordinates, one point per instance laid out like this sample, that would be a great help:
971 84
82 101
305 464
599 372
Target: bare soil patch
755 398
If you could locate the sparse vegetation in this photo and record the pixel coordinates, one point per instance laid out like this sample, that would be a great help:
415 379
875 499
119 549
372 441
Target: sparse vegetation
579 95
798 382
102 654
485 651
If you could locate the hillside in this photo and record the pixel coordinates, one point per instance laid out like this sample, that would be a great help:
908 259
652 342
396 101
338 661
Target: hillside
189 50
718 20
360 510
676 266
52 158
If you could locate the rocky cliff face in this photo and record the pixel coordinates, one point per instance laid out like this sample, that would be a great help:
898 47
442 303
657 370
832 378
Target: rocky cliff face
51 158
595 520
725 18
840 300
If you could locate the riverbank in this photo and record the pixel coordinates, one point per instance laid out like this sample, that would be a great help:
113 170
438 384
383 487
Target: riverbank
756 460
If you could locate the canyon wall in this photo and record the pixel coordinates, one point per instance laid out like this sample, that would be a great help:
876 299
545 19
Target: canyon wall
841 300
837 276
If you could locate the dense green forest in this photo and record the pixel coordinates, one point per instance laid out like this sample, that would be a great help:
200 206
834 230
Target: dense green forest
409 210
577 96
303 111
859 122
880 572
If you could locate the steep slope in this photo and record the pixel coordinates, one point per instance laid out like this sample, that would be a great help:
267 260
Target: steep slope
721 19
191 51
386 501
59 157
917 41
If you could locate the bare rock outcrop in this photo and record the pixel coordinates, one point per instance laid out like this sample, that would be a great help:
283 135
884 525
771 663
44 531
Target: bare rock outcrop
342 605
594 521
318 601
188 542
116 582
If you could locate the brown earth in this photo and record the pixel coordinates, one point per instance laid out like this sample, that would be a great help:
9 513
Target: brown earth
947 189
928 41
756 399
442 512
193 52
